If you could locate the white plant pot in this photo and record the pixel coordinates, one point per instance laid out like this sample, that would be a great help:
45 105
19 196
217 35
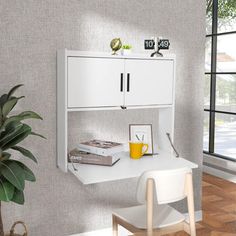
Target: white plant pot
125 52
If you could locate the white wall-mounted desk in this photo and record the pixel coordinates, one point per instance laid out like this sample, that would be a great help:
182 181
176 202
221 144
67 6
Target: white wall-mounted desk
127 168
89 81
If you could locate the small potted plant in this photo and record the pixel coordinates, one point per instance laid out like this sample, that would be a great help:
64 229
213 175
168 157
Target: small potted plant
13 130
126 49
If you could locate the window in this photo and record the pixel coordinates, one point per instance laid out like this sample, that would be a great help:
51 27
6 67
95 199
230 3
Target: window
220 79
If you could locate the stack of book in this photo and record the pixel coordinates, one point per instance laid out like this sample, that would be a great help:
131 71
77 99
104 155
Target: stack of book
96 152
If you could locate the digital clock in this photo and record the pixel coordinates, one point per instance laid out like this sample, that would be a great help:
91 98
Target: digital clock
156 44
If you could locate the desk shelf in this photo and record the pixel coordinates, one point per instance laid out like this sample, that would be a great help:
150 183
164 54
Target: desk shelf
97 82
127 168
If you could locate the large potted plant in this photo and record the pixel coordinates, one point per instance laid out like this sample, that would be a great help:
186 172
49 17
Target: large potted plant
13 130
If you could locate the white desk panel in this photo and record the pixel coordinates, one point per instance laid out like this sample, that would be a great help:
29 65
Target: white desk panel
127 168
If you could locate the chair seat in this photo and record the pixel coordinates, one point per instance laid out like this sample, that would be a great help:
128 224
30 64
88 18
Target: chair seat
164 216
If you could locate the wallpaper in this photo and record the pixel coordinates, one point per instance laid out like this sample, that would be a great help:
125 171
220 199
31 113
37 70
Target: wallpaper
31 33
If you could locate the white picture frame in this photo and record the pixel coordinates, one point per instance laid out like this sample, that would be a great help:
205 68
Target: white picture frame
142 133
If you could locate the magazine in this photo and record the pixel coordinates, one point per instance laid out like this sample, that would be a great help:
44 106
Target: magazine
77 156
101 147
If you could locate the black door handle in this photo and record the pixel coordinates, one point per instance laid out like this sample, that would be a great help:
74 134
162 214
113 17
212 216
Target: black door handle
128 82
121 82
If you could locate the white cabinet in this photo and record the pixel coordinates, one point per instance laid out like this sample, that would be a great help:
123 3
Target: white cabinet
100 82
95 82
92 81
149 82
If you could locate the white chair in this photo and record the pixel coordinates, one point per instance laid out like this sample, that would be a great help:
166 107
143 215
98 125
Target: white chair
154 216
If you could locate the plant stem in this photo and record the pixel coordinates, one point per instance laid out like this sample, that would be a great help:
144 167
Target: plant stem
1 224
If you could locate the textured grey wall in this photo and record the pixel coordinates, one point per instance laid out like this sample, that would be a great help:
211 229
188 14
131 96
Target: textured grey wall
31 32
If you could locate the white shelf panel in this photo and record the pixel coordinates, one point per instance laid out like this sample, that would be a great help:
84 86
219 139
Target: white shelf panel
118 108
75 53
127 168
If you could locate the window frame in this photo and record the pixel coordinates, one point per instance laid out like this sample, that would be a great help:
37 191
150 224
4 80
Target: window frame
213 74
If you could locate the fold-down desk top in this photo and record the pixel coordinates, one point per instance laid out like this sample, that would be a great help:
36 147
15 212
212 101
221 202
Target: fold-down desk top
127 168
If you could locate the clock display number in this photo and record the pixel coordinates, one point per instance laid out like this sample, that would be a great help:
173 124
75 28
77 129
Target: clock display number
149 44
163 44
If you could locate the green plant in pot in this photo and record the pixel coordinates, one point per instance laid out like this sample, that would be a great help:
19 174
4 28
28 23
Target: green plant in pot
13 130
126 49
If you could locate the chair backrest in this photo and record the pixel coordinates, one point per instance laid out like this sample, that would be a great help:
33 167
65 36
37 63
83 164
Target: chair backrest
169 185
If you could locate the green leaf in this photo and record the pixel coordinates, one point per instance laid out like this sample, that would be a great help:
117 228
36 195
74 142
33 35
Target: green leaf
22 116
39 135
30 115
10 120
11 130
25 152
14 173
16 140
15 137
7 107
18 197
3 99
11 126
6 190
29 175
11 92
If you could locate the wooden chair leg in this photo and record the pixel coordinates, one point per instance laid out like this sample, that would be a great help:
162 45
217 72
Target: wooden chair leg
114 226
190 199
149 197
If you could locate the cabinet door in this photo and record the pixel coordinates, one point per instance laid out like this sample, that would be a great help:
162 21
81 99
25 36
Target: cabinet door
149 82
95 82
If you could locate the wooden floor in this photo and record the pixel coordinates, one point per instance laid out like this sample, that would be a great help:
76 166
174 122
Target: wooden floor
219 208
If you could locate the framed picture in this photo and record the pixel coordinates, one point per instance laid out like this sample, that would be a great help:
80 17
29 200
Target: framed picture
142 133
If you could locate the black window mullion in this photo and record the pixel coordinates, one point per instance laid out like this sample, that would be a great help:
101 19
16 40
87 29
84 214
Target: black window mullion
213 77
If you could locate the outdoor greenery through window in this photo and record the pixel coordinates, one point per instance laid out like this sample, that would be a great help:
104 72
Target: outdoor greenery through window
220 79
